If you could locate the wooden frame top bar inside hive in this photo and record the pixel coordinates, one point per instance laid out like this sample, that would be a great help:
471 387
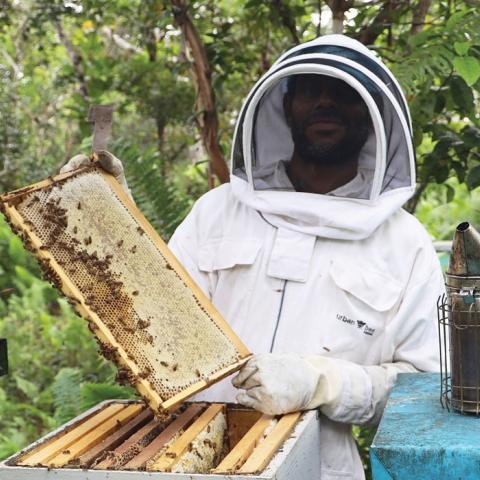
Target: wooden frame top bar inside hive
208 439
149 316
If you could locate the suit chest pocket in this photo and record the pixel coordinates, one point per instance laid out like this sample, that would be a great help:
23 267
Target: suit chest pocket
230 265
363 301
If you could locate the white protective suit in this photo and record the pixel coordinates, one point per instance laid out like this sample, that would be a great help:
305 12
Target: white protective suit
348 275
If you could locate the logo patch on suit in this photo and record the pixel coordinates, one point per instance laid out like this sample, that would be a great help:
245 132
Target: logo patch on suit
360 324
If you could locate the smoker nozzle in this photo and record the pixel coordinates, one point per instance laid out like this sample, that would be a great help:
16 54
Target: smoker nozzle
465 254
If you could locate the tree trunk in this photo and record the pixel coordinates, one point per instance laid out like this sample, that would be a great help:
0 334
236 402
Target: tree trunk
319 26
412 204
419 14
381 21
207 118
338 8
288 19
76 60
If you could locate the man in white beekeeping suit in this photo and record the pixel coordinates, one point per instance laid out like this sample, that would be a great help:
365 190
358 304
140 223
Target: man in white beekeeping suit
307 252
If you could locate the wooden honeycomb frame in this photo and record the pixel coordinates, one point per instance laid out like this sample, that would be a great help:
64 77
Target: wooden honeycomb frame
118 428
17 206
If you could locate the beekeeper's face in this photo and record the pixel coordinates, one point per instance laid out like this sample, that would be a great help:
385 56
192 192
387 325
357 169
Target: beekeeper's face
328 119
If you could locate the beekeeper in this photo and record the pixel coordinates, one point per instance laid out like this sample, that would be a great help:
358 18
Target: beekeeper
307 252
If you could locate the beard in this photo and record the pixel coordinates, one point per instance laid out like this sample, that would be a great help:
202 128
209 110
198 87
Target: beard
325 152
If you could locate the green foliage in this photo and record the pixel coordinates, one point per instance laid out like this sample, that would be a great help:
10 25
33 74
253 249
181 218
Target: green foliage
156 195
72 396
53 357
66 394
364 438
439 69
468 68
93 393
11 134
441 215
131 54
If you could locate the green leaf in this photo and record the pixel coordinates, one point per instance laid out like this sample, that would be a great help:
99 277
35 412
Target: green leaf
471 136
440 102
93 393
450 192
24 277
16 252
460 169
473 178
468 68
24 409
422 38
27 387
455 19
3 395
462 94
66 394
461 47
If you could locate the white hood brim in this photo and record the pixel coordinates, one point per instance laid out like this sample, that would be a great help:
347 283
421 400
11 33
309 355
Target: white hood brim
265 140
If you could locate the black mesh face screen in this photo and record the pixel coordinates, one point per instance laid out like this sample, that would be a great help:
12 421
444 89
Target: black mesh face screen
264 144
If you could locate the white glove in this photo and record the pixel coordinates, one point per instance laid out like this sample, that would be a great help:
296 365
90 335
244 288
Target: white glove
106 160
282 383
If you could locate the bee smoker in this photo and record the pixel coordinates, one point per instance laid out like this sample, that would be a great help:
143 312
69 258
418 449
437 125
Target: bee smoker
459 324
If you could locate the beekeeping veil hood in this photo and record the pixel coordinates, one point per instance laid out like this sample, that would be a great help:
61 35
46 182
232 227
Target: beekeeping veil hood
386 165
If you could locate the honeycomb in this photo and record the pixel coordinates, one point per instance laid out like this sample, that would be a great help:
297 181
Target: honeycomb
150 464
121 276
204 452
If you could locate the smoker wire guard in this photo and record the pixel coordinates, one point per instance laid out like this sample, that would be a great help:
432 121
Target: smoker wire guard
458 327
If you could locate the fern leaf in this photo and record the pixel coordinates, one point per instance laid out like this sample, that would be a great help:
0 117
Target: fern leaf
154 194
66 394
93 393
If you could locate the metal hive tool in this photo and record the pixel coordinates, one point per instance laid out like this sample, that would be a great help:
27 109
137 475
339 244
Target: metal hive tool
150 318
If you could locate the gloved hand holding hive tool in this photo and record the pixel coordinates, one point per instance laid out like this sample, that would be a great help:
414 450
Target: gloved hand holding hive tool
107 161
307 252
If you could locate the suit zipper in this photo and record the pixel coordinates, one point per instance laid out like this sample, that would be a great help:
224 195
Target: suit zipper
281 299
278 315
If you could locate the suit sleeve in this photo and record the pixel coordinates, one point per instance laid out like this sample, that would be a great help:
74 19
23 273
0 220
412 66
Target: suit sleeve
410 345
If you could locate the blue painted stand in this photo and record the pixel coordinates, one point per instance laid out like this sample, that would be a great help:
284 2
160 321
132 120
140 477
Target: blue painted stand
418 439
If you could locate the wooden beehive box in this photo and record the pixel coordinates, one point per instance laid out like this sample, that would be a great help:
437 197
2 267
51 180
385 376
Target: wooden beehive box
166 338
120 440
